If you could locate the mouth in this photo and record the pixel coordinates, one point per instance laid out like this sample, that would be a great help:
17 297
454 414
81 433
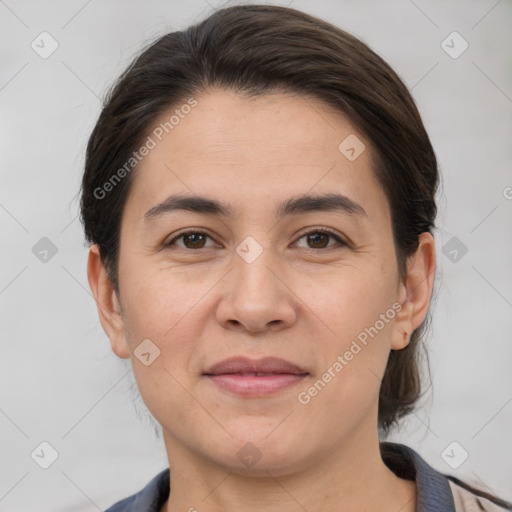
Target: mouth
255 378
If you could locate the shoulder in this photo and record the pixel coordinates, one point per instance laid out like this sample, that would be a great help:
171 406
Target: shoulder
467 499
150 499
436 491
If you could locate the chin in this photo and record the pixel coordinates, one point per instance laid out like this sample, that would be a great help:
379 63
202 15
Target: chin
257 449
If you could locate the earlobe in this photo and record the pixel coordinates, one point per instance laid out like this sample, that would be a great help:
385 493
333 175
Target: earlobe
109 307
415 291
403 325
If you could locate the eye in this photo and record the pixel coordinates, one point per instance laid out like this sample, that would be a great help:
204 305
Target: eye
191 240
319 238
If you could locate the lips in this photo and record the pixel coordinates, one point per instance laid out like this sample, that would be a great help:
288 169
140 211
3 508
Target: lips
256 368
259 378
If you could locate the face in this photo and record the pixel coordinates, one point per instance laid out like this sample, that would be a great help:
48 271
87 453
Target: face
259 269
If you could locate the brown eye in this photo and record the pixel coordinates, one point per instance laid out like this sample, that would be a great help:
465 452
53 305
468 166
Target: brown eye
191 240
196 240
319 239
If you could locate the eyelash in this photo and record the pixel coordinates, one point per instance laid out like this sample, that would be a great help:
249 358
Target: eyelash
326 231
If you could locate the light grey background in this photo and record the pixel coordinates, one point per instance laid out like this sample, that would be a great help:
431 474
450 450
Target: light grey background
59 380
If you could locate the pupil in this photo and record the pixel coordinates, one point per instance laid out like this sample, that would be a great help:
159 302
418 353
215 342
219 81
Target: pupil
198 238
316 236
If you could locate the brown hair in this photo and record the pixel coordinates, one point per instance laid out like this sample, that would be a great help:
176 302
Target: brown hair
255 50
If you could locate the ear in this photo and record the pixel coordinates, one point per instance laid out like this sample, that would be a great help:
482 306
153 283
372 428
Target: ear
109 307
415 291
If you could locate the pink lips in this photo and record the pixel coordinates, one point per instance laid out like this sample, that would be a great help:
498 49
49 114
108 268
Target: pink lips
260 377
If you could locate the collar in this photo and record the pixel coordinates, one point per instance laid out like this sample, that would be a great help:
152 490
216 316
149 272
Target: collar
433 489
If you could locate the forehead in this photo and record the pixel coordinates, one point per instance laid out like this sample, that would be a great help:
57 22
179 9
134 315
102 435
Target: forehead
249 150
269 129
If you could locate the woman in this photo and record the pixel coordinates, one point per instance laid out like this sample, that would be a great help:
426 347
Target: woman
259 193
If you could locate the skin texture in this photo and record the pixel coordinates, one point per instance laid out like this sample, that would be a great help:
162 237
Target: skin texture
303 299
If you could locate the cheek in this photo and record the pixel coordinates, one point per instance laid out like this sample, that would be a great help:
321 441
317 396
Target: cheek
350 300
345 391
168 314
158 301
357 311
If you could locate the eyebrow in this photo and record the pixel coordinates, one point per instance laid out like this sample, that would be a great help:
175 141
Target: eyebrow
296 205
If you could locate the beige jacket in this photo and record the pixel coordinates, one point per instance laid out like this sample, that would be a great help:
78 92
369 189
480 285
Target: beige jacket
466 501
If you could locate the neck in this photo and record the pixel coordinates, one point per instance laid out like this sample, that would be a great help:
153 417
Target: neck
352 477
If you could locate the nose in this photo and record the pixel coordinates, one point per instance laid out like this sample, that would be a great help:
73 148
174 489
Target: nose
256 296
